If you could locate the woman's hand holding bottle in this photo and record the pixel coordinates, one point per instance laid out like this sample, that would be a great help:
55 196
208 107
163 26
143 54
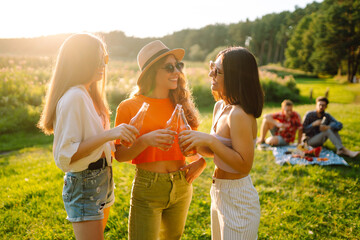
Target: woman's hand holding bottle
161 138
189 139
124 132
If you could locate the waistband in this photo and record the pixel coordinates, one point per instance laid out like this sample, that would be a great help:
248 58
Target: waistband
160 176
232 183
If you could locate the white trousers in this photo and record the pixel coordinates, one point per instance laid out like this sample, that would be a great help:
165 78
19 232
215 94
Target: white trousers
235 209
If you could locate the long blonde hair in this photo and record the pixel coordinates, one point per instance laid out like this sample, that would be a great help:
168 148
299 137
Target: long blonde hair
78 61
180 95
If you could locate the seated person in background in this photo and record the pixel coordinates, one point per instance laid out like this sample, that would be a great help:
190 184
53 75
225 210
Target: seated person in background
319 126
282 125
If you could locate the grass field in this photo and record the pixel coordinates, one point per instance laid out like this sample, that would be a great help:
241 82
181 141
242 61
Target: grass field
297 202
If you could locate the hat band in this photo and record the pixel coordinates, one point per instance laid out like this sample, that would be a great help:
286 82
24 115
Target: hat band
153 57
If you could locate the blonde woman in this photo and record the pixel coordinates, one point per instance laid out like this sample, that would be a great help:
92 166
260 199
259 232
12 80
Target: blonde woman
76 112
161 192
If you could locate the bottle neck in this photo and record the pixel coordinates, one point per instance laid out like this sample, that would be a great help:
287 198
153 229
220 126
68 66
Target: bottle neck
173 122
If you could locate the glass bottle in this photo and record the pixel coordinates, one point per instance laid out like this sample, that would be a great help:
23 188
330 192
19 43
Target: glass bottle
137 121
184 125
173 122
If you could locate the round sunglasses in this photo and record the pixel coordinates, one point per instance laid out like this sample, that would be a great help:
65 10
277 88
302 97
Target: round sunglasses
171 68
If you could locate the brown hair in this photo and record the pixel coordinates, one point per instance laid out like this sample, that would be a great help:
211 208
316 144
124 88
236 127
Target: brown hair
180 95
323 99
241 80
78 60
286 102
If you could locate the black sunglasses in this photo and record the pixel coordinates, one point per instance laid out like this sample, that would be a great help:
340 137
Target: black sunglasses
171 68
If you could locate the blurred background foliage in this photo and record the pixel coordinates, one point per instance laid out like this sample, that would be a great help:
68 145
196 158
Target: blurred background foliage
322 38
24 83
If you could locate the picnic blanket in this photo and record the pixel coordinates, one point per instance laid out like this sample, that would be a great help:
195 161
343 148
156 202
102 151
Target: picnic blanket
281 157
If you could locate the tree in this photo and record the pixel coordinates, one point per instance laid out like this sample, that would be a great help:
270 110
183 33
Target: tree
239 32
196 53
337 37
300 46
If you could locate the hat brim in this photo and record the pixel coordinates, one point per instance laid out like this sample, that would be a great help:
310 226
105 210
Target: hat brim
179 54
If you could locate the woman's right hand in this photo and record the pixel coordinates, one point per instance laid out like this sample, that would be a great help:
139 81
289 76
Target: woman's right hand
191 139
161 138
124 132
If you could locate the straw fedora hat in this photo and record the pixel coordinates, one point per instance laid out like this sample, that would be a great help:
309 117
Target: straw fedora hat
152 52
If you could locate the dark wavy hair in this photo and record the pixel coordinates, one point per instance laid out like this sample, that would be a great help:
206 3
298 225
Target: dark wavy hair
241 80
180 95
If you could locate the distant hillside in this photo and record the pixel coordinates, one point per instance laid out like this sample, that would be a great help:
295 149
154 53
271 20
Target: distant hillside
32 46
119 45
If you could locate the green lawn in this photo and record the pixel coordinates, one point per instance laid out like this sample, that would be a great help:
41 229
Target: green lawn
297 202
339 93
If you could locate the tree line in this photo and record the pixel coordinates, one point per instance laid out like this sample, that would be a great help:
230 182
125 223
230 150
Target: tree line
323 38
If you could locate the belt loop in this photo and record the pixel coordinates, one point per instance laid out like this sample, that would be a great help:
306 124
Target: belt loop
181 175
156 176
172 175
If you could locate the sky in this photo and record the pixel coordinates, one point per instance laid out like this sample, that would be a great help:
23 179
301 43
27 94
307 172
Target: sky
147 18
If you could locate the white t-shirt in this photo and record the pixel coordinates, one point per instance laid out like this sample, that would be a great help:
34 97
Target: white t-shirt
77 120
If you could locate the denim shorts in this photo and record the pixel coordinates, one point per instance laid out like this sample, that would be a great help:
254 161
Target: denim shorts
87 193
281 140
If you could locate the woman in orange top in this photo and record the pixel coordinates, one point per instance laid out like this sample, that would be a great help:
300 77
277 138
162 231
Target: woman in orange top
161 192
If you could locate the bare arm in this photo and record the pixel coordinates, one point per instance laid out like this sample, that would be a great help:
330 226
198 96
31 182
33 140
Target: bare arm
161 138
240 157
123 131
197 139
205 150
269 117
194 169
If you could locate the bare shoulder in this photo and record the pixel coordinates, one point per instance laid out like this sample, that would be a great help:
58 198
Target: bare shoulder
238 114
243 122
217 106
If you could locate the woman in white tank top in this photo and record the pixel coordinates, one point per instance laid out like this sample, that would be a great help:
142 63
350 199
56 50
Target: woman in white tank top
235 207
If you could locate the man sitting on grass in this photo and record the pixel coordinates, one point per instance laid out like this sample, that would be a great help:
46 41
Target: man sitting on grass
282 125
319 126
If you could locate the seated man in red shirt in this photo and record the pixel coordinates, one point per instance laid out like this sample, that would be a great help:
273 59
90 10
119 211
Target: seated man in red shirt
282 125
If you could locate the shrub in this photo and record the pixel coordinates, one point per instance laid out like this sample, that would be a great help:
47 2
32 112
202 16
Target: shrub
119 88
21 91
202 96
277 89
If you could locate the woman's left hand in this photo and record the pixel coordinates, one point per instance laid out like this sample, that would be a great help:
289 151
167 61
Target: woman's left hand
191 139
194 169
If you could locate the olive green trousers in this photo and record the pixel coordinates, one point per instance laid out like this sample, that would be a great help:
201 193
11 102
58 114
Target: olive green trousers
159 205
